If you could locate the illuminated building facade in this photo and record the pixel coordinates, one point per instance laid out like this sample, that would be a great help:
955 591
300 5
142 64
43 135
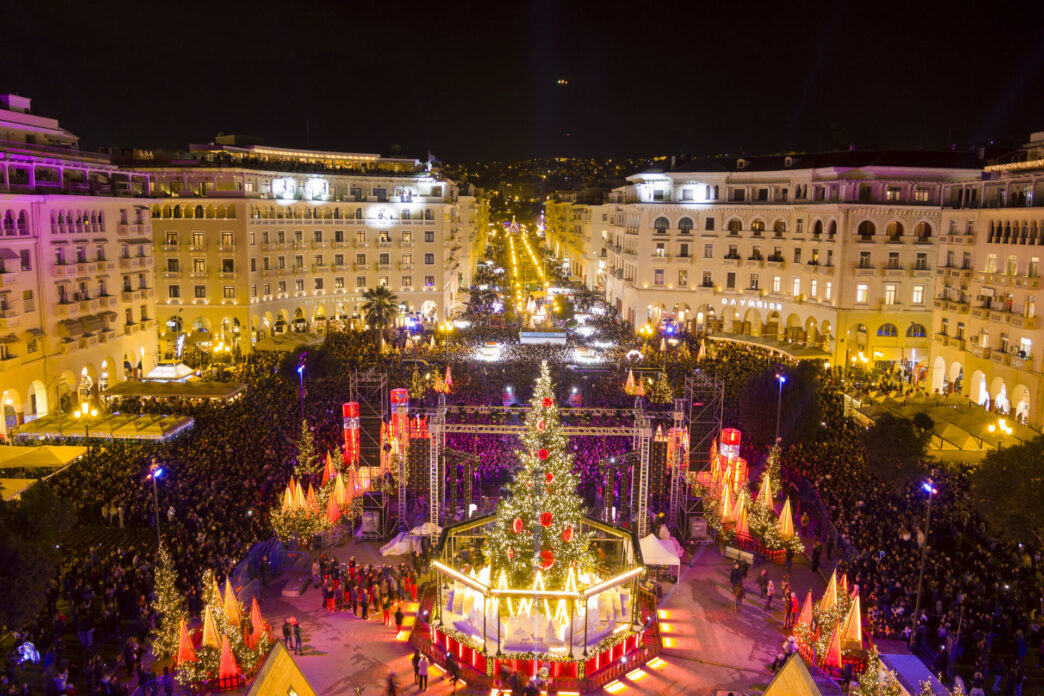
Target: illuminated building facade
77 295
987 336
577 234
254 241
834 252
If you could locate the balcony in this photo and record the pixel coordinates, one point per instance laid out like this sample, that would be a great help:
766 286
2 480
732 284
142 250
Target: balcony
406 266
125 229
197 247
360 267
941 338
227 248
107 301
921 272
865 270
978 351
1031 282
384 244
1025 364
894 271
197 275
8 318
733 261
1000 357
320 245
939 303
1023 322
172 248
130 295
980 312
227 275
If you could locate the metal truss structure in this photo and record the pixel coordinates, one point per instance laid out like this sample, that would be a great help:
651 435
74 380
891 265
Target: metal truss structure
706 401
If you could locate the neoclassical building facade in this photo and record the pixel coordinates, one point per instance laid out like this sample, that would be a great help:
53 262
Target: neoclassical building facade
834 252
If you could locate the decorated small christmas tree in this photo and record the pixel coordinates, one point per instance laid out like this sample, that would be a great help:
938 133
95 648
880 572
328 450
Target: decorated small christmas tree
871 682
306 457
537 533
418 385
661 391
169 603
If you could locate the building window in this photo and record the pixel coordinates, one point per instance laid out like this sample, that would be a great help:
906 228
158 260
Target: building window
429 259
197 239
407 281
282 287
918 295
889 294
862 293
887 330
407 237
658 276
229 292
429 282
382 281
921 194
174 292
360 281
683 278
730 280
226 239
253 291
253 265
318 283
708 251
660 251
829 288
797 255
299 285
339 283
708 224
814 289
429 236
753 281
172 265
360 237
200 292
199 266
228 266
708 279
864 259
797 287
172 238
777 284
384 258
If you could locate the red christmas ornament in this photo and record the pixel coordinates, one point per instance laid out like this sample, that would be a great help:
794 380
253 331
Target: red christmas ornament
542 454
567 534
547 559
510 554
541 425
547 402
545 519
516 526
549 476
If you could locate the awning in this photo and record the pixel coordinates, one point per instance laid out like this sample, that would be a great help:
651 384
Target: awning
8 253
8 339
37 333
70 328
108 315
92 323
138 240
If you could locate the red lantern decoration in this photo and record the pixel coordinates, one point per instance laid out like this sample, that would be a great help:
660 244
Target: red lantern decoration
547 402
549 477
541 425
516 526
510 553
547 559
567 534
542 454
545 519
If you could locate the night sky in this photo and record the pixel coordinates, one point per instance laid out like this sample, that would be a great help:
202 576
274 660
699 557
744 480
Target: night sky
478 80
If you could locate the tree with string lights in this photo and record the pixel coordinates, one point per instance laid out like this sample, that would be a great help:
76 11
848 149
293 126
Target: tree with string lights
538 524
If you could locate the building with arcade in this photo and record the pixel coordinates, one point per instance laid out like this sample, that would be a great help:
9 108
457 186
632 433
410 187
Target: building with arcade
77 294
831 252
986 335
253 240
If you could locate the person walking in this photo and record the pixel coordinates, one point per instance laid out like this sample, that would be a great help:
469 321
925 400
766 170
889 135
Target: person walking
763 582
415 661
297 639
386 606
788 560
770 592
422 673
398 618
817 552
391 686
365 602
738 592
287 634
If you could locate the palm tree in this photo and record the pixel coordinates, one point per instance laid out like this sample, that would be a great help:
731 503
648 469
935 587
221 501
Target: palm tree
380 305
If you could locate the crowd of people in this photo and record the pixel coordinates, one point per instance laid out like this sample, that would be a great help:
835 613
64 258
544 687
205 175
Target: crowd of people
980 603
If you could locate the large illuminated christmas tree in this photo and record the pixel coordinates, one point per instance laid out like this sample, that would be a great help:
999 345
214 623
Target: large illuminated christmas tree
538 525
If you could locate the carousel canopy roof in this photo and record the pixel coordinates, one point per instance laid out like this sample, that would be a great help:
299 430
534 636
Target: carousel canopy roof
793 680
796 351
289 342
280 675
214 391
44 457
117 426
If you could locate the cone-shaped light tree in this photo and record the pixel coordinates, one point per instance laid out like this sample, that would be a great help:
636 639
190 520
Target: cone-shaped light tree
538 525
169 606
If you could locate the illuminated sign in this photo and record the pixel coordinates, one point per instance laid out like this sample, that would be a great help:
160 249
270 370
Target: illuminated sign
752 304
283 188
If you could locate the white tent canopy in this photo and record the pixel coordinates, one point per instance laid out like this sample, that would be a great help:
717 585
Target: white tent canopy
659 551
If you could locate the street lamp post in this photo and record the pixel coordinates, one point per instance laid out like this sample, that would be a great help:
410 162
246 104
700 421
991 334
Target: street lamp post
84 412
929 488
300 377
155 472
781 378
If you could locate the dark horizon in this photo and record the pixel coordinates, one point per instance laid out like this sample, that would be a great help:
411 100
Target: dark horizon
480 82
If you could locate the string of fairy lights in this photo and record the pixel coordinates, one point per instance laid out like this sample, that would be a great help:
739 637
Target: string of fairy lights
518 288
